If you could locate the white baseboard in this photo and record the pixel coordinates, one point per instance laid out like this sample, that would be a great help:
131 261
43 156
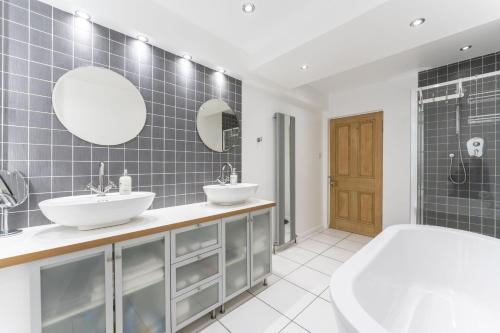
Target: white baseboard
308 232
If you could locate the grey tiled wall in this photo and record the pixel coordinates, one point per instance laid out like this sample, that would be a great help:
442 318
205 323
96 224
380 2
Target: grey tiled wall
39 44
474 205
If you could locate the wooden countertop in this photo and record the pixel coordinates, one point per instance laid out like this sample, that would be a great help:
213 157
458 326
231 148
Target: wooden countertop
52 240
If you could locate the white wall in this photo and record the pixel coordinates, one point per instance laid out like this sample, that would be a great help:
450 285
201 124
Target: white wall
258 158
392 96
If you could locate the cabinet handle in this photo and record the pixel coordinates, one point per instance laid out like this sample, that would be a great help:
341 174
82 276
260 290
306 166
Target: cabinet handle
118 257
198 225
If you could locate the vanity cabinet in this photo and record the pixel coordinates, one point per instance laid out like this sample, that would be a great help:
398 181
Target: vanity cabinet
247 251
73 293
155 278
261 245
142 284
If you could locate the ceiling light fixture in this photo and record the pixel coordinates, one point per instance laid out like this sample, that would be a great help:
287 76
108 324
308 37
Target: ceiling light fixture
187 56
248 8
466 47
417 22
82 14
143 38
304 67
221 70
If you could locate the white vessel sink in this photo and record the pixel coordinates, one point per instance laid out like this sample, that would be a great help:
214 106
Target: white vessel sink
90 211
229 194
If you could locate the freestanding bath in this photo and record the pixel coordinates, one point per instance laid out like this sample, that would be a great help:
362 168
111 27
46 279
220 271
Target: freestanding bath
416 279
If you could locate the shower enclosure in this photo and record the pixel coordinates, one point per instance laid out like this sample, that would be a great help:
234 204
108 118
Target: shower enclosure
458 176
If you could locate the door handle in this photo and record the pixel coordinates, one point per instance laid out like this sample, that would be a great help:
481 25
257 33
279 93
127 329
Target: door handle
332 181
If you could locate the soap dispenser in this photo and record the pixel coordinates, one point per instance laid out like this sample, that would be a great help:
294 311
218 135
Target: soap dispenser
234 177
125 183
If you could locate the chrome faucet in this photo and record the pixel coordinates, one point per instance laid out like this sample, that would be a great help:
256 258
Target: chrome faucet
222 180
101 190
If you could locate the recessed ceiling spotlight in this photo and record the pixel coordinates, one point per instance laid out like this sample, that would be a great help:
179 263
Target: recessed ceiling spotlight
417 22
466 47
187 56
143 38
248 8
221 70
304 67
82 14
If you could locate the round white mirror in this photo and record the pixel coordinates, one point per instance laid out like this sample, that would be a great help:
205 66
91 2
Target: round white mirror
217 125
99 105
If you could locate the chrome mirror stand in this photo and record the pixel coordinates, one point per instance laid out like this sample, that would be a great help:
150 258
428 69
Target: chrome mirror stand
13 193
4 224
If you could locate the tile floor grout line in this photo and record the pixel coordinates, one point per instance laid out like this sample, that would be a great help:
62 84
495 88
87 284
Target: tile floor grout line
290 322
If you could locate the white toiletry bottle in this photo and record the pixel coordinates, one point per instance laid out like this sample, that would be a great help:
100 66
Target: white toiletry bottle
234 177
125 183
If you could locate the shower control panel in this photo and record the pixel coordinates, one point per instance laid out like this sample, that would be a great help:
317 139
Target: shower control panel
475 147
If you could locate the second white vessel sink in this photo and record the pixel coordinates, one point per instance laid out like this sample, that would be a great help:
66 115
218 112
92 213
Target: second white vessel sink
91 211
229 194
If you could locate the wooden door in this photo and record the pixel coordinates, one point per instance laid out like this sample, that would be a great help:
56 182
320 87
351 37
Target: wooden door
356 173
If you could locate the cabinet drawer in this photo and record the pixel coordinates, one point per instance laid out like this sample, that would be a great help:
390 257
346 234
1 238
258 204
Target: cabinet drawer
196 303
190 241
191 273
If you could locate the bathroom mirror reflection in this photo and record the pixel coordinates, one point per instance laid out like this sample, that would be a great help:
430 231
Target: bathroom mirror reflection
99 105
285 179
218 126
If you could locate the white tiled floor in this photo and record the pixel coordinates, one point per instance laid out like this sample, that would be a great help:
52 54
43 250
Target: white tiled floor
297 298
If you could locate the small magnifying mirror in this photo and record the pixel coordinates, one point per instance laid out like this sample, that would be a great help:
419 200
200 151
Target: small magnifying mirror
13 193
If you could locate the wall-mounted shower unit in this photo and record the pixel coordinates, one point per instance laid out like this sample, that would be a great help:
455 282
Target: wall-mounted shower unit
457 155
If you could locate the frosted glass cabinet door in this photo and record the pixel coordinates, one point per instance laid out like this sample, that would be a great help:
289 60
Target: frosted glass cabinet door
141 285
199 238
260 226
73 293
236 240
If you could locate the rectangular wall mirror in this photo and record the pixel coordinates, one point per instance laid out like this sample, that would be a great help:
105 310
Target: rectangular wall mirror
284 226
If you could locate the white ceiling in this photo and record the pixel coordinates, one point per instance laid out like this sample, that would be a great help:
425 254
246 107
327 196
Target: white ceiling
341 40
275 27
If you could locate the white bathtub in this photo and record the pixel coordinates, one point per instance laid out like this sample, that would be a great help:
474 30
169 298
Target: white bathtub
420 279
